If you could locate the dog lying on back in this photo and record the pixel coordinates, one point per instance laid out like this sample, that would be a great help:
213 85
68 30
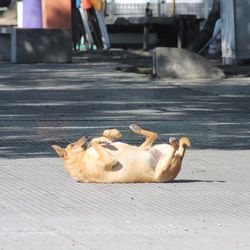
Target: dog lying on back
107 161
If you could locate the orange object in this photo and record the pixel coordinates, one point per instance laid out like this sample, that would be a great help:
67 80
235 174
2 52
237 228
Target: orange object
98 5
56 14
86 4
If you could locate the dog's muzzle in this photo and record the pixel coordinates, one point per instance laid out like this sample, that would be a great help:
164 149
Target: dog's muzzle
87 144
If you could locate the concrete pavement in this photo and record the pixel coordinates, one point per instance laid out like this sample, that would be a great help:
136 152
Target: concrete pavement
41 207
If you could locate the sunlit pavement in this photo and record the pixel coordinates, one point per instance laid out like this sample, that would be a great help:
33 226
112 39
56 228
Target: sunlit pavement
41 207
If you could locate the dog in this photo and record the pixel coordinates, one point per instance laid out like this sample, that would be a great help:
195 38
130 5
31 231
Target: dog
109 161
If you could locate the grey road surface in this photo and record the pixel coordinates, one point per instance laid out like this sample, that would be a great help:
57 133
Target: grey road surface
41 207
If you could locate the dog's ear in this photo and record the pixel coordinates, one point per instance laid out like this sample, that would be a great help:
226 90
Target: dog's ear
59 150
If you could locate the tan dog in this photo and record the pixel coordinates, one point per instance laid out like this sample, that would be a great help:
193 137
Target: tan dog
108 161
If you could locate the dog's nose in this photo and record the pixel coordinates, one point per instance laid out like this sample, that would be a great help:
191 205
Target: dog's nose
86 145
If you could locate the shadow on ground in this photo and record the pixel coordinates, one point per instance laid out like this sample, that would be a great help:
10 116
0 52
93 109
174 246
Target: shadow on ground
194 181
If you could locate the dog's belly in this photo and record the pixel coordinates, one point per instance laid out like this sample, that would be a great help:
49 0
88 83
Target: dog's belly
133 164
135 156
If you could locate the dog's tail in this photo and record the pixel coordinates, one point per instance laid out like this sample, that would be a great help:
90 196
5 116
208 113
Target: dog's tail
184 142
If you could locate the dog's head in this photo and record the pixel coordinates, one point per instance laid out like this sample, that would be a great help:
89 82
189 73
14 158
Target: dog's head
71 149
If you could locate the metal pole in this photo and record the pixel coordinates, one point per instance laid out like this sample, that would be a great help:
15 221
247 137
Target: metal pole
148 15
145 37
173 8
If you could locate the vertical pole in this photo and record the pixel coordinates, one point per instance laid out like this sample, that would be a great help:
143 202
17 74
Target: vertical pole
228 33
20 14
148 15
44 14
173 8
179 32
145 37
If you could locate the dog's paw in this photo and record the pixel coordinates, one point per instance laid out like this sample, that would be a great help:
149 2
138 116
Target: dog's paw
112 133
173 142
135 128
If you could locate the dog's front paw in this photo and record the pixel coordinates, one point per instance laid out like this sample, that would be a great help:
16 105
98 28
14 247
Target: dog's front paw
112 133
135 128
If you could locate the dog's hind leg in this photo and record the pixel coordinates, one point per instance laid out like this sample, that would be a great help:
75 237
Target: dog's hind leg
106 158
150 136
164 170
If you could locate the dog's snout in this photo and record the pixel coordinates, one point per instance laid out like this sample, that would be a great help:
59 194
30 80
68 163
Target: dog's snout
86 145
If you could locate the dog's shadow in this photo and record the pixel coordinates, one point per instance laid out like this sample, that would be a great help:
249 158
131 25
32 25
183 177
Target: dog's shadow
194 181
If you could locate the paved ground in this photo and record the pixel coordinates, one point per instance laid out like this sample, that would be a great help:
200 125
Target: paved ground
41 207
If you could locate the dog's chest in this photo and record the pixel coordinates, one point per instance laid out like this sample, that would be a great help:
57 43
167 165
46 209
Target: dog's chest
158 151
156 154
